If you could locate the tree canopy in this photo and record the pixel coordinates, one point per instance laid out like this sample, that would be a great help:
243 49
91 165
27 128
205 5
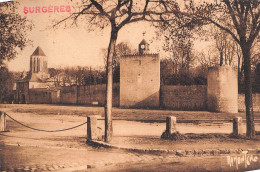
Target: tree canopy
13 31
244 29
116 14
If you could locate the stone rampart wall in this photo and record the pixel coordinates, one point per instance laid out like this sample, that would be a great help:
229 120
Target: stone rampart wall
68 95
96 94
184 97
40 96
171 97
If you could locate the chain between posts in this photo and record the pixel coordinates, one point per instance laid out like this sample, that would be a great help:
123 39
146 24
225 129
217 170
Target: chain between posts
42 129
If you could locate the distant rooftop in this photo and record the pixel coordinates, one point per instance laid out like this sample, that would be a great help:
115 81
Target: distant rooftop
38 52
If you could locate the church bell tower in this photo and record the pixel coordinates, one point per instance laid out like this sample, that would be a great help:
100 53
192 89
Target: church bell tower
39 64
143 47
38 61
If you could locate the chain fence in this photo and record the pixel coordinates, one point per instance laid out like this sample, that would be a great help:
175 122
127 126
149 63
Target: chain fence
36 129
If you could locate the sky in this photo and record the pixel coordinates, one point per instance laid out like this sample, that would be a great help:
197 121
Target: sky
74 46
71 46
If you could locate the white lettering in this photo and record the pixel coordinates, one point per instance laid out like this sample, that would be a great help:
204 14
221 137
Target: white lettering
245 158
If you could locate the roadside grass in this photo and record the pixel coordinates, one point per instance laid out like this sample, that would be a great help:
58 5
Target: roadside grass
195 136
144 115
189 141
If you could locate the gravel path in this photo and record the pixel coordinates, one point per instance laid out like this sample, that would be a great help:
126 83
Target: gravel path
28 150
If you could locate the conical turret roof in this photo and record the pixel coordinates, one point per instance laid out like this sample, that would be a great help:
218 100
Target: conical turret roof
38 52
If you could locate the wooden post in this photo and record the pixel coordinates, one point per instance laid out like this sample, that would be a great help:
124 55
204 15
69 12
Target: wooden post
237 126
2 121
171 125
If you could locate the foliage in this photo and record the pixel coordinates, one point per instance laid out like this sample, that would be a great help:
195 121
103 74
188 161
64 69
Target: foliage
121 49
179 45
116 14
77 76
13 29
6 86
225 46
244 29
193 76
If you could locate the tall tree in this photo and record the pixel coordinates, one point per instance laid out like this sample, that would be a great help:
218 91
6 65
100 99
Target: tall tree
13 29
179 44
226 47
6 85
116 14
244 28
121 49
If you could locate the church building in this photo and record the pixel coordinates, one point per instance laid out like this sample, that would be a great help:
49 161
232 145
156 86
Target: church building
140 78
34 84
38 69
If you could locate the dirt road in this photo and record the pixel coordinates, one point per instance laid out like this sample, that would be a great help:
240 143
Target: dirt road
122 114
25 149
14 158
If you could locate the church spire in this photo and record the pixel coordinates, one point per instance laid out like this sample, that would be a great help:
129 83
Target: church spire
38 61
38 52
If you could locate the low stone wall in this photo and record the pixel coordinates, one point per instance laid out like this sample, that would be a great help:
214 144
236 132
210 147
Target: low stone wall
97 94
171 97
184 97
256 102
68 95
40 96
87 95
55 97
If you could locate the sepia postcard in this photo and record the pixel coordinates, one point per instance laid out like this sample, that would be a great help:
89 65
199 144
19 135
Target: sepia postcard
129 85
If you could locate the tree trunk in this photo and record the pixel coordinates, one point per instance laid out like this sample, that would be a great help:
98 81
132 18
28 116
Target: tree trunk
238 69
109 86
221 58
250 132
